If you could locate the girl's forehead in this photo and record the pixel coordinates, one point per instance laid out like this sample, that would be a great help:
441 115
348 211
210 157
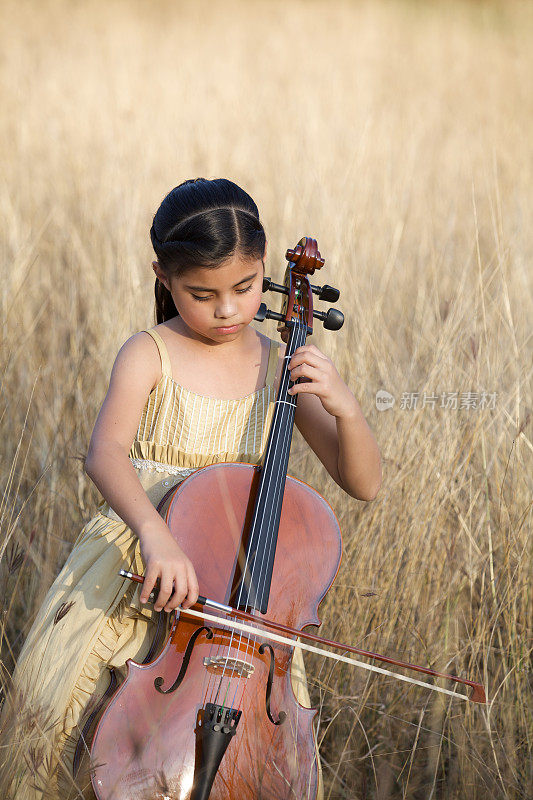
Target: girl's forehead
228 274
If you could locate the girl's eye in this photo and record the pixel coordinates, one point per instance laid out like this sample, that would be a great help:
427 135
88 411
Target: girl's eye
239 291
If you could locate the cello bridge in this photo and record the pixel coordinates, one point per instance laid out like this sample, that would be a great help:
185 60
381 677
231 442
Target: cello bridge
228 667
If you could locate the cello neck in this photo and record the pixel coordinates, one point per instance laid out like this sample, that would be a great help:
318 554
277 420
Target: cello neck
254 589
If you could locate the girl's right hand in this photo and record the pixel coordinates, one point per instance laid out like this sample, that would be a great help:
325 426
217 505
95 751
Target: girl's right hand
164 559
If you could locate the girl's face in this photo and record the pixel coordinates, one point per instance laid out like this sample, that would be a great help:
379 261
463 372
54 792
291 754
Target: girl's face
217 304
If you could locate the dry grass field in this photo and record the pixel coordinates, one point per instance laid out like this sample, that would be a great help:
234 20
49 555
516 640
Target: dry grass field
398 134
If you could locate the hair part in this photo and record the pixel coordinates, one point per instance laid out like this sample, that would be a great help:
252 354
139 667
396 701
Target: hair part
203 223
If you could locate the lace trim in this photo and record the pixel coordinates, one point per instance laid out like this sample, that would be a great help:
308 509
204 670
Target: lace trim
144 463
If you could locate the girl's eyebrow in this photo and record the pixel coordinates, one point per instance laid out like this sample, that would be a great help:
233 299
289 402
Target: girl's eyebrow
203 289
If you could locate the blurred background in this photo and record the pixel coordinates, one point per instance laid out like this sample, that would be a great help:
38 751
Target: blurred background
398 134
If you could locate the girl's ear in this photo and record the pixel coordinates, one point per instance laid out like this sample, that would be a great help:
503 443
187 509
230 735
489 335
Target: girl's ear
160 274
265 253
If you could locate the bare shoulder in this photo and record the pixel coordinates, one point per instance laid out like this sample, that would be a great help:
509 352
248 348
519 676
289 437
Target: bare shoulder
138 362
136 371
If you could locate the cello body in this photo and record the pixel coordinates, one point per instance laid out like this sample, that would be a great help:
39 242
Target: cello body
147 745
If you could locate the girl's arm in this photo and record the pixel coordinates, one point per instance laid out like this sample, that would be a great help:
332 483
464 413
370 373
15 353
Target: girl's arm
331 421
135 371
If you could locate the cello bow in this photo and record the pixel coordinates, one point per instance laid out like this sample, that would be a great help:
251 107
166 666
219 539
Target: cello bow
197 610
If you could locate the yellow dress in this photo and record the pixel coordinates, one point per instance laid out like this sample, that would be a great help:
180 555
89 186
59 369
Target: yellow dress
91 618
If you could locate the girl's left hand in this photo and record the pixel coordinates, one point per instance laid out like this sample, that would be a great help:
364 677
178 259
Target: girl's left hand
321 379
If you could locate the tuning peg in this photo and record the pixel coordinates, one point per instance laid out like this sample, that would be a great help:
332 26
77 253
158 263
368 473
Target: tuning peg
264 313
269 285
333 319
327 293
261 312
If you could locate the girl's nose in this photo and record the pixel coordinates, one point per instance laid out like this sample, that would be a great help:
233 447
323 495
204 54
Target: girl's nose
226 308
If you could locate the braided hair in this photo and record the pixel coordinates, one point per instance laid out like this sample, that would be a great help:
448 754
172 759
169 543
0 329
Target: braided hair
202 223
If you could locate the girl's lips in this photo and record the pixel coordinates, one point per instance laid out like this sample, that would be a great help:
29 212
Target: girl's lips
230 329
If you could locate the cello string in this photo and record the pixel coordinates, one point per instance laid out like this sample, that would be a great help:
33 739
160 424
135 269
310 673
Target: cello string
229 646
240 593
238 646
277 444
249 645
264 486
220 647
285 444
223 676
260 569
277 488
240 636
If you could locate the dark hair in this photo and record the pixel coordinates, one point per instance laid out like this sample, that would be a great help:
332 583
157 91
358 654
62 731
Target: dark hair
202 223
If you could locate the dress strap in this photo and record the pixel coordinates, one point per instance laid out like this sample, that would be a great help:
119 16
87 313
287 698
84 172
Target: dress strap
163 352
273 356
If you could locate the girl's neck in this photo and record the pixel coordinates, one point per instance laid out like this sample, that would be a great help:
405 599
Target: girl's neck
234 371
240 342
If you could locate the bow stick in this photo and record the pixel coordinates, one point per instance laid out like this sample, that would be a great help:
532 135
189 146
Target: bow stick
478 691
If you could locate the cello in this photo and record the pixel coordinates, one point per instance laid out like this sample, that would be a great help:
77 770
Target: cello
214 714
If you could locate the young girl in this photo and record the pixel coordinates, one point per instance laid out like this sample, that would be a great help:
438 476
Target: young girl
197 389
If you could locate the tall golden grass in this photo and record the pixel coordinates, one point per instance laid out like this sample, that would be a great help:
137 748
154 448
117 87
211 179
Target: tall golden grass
398 134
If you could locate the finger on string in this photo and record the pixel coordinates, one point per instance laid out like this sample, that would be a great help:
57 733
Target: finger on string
308 386
305 371
309 350
305 358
